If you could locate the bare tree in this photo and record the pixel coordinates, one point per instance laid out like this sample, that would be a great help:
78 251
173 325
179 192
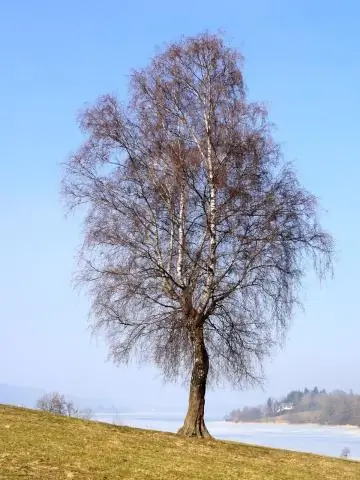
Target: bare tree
54 403
196 233
57 403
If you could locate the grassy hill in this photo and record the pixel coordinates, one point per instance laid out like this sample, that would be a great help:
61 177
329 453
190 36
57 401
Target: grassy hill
36 445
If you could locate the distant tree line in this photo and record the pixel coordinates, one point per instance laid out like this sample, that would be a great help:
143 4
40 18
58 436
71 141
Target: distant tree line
305 406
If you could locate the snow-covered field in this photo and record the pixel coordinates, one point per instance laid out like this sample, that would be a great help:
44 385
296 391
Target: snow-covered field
305 438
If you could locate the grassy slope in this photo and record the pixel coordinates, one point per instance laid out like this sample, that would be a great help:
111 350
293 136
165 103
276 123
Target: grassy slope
35 445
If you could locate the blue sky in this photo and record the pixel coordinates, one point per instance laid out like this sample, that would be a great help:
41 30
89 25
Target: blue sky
302 59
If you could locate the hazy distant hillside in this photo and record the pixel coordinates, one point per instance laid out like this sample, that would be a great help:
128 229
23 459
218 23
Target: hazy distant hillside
27 397
14 395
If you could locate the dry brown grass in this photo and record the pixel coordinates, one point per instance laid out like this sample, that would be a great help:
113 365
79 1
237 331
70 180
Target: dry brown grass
37 445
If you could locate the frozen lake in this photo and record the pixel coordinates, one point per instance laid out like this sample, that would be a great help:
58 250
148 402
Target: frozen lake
303 438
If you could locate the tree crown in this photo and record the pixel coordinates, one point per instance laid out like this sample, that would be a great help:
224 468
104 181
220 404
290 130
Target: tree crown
193 218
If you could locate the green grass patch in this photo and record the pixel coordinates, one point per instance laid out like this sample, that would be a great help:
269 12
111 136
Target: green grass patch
38 445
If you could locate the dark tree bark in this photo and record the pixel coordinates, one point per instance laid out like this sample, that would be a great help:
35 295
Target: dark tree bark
194 423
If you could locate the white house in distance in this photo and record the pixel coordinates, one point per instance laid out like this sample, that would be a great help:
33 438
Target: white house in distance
284 407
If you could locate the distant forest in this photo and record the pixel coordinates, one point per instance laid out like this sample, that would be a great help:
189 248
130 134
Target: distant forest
305 406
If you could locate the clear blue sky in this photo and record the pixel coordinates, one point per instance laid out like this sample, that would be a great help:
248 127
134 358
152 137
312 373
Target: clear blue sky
302 58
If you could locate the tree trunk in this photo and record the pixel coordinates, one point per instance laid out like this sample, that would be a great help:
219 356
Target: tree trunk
194 424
